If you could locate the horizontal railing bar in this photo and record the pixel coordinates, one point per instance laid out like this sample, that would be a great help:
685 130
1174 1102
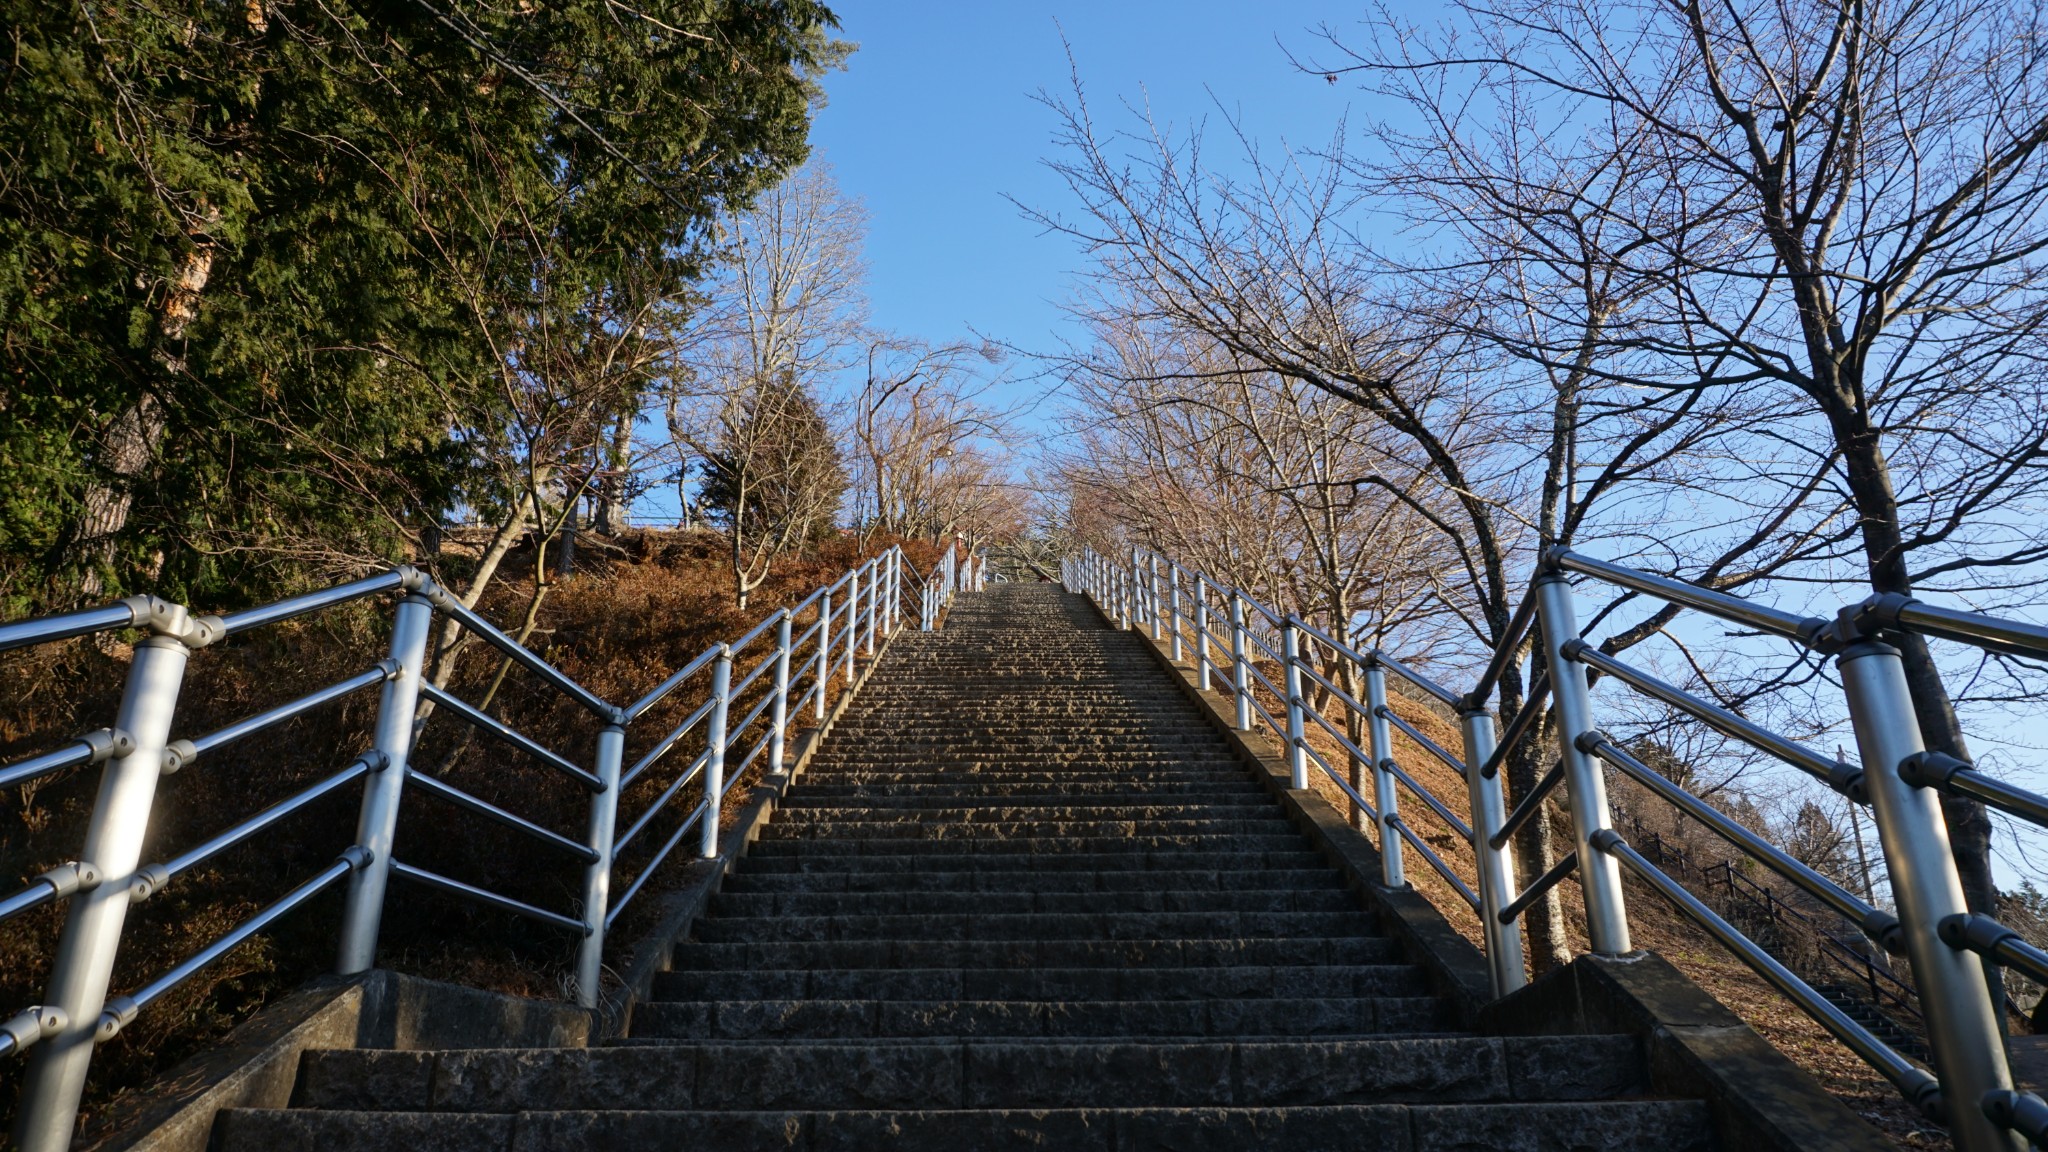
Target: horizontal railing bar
1435 861
797 704
505 732
1912 1081
283 712
1413 677
55 884
633 889
1344 697
490 634
1338 736
1427 745
1879 925
1527 807
1343 785
1535 891
1428 798
485 808
733 777
1958 778
1504 652
660 802
1532 709
199 853
1834 772
66 625
1270 651
1987 937
744 682
668 742
1275 689
1339 646
1278 728
487 898
1975 628
1805 629
733 732
121 1010
249 618
805 636
640 706
84 750
773 618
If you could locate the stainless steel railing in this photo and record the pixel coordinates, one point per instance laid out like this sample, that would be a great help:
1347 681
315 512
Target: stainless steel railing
793 671
1971 1089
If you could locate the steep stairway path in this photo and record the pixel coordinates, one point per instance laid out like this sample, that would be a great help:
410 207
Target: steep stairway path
1022 898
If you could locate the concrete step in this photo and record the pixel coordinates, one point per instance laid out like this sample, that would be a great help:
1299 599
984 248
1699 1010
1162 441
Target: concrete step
1336 981
1037 926
724 1076
1036 882
1001 809
958 858
1208 952
1627 1126
982 903
1217 847
907 827
824 1019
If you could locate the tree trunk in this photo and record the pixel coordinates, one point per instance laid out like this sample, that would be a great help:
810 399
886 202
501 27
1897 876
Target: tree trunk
1969 826
1549 946
129 445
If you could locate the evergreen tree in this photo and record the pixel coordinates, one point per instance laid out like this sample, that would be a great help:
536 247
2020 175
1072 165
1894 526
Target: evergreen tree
263 265
776 480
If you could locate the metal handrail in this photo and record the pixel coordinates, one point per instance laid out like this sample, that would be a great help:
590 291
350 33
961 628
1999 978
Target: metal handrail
456 796
492 726
1896 776
138 749
1734 609
1912 1081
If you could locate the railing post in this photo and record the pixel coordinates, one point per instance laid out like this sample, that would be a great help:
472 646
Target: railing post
1380 742
377 822
778 735
874 600
1495 865
1202 630
1955 999
1240 667
852 620
597 876
84 963
1297 737
1173 612
714 752
1585 785
824 676
1152 596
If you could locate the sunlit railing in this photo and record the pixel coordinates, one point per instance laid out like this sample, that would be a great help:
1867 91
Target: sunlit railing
788 661
1235 638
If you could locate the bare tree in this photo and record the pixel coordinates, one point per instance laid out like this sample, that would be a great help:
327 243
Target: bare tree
784 310
1847 217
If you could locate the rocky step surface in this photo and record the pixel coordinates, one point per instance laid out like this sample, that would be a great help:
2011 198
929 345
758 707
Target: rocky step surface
1022 898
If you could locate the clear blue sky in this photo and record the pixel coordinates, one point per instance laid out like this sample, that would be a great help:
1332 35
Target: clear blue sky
933 124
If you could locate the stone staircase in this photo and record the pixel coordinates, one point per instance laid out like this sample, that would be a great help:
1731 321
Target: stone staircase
1022 898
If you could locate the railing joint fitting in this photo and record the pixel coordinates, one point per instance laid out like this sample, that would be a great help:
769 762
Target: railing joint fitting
1590 741
2022 1112
68 878
37 1022
1869 618
1606 840
148 880
1931 769
357 857
178 754
1571 648
375 760
118 1014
